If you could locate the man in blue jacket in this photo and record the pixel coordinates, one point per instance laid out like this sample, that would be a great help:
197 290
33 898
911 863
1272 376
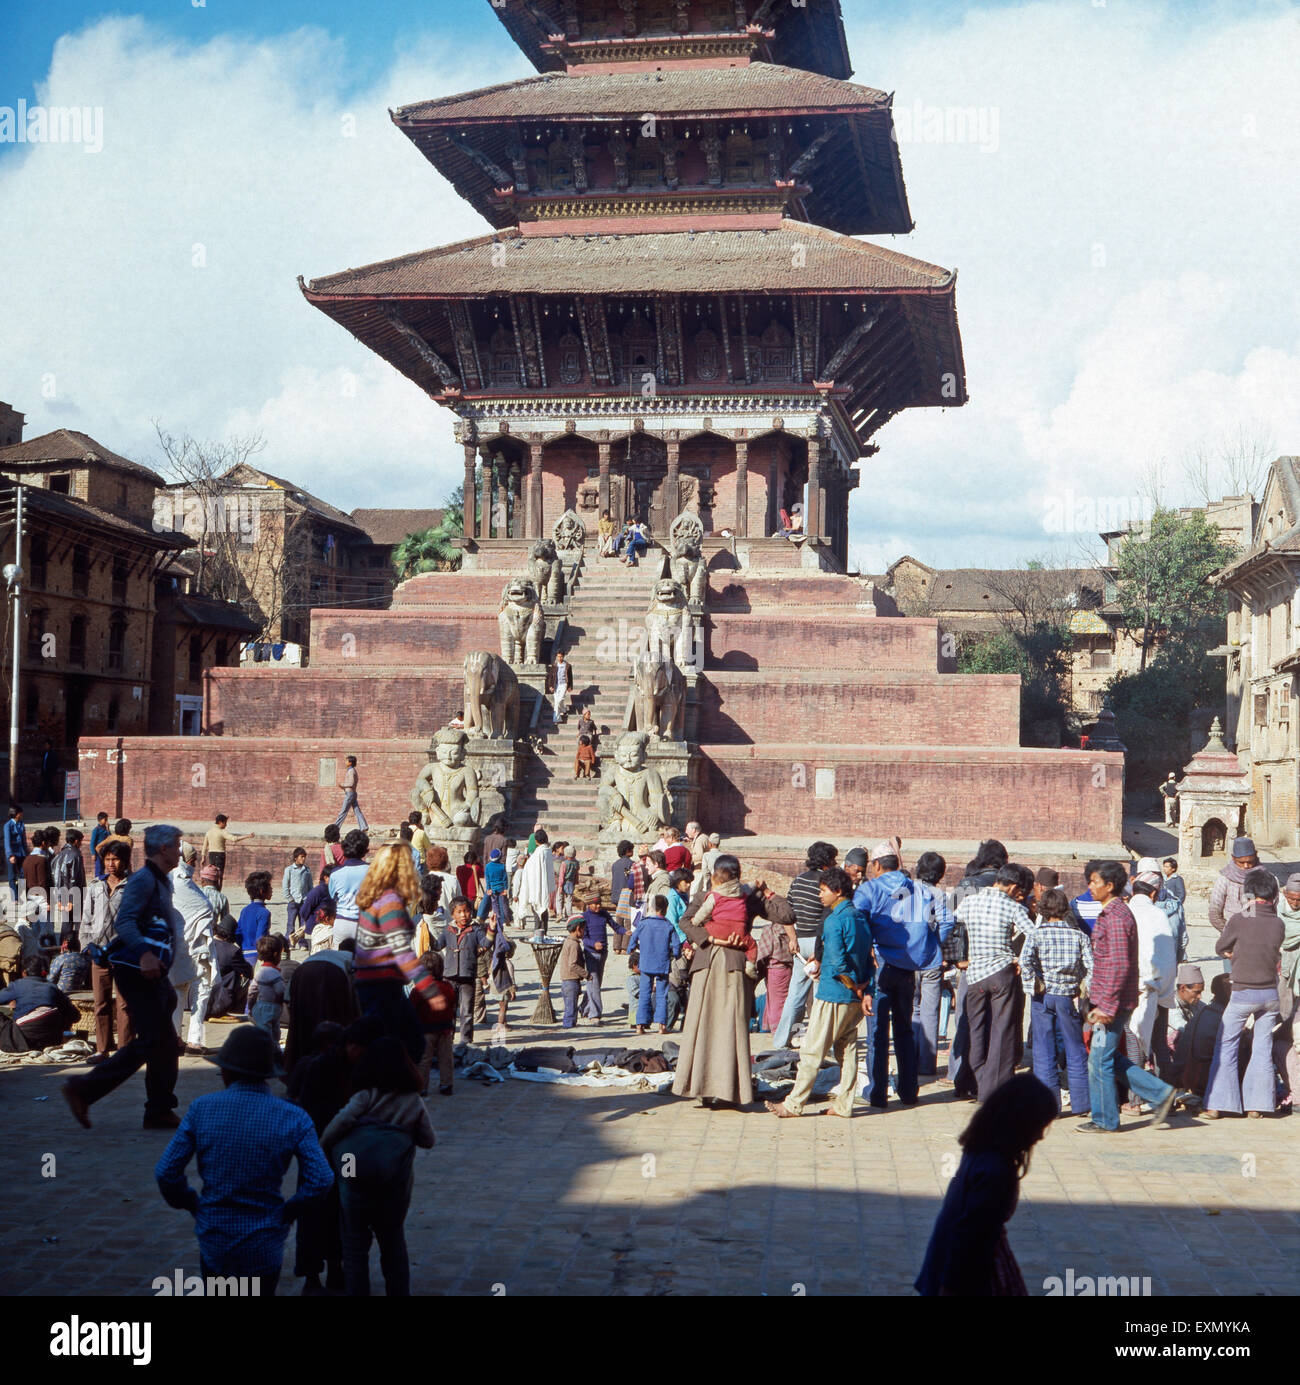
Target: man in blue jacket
16 847
844 984
908 923
140 954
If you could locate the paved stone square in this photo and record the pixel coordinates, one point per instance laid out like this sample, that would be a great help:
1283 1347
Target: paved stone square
579 1190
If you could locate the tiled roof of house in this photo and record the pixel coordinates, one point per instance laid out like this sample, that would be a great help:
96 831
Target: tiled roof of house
67 509
392 526
654 262
67 445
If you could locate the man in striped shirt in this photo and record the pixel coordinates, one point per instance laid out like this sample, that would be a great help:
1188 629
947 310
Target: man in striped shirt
1055 963
992 919
804 897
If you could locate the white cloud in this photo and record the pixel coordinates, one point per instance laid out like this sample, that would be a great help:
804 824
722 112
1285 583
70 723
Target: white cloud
1126 252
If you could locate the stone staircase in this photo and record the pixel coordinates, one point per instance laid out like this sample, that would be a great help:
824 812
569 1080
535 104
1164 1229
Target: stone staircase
605 610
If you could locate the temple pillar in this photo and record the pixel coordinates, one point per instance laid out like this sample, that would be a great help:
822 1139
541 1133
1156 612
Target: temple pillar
471 453
501 509
773 494
604 449
485 499
672 489
812 510
742 490
535 487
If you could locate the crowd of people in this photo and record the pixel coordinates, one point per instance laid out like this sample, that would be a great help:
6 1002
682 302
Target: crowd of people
405 954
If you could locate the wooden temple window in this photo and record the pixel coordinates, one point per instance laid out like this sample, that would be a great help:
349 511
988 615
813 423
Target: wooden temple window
720 16
504 359
539 171
560 167
775 359
570 360
658 17
740 159
648 165
638 348
706 356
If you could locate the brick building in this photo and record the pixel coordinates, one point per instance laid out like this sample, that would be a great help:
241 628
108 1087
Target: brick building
277 550
1263 657
91 554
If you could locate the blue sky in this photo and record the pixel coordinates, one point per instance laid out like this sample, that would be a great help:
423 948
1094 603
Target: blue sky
1125 239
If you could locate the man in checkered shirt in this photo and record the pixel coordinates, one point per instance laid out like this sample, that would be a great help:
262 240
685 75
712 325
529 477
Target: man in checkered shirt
992 919
1055 964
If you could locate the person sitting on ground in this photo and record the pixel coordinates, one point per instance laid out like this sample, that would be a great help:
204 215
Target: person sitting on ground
41 1011
233 972
70 970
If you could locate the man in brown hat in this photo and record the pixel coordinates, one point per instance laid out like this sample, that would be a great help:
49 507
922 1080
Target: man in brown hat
240 1218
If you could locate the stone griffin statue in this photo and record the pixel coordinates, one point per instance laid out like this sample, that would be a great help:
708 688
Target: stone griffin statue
632 801
521 622
491 696
668 624
658 697
685 563
447 791
547 572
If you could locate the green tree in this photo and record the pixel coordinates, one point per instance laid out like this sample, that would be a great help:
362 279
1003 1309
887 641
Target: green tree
433 550
1163 578
1040 656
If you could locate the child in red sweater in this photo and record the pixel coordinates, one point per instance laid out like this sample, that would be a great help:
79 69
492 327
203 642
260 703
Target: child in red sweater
437 1014
725 909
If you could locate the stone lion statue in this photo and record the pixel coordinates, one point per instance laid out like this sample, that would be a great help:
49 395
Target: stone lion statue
668 623
658 697
547 571
632 800
521 622
447 791
491 696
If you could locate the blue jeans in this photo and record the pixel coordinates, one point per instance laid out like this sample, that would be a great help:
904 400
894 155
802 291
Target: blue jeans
499 902
1258 1089
926 1020
593 1007
656 984
1106 1063
350 805
1054 1022
569 991
636 544
796 1000
895 991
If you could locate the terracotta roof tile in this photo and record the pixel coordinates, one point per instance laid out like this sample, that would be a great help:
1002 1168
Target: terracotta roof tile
392 526
760 87
655 262
66 445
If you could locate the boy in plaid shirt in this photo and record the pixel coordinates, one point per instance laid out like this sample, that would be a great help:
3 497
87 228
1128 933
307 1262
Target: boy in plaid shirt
1055 965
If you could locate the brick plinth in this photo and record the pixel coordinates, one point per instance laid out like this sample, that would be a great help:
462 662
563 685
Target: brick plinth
776 638
860 705
1061 795
266 779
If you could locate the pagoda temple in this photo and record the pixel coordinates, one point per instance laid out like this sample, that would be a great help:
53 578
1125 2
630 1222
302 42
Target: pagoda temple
671 311
672 320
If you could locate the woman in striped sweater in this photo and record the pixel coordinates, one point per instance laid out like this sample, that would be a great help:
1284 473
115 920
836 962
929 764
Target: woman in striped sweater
385 958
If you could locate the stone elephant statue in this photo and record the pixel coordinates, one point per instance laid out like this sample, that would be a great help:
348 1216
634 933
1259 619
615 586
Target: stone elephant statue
491 696
658 697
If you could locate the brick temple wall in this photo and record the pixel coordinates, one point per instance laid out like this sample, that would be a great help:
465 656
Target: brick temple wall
1037 795
869 707
772 639
255 779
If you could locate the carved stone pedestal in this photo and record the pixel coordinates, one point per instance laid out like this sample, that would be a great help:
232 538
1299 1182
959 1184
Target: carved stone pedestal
499 766
679 769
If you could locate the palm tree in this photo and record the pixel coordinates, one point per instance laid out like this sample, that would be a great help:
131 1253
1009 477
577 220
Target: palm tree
429 550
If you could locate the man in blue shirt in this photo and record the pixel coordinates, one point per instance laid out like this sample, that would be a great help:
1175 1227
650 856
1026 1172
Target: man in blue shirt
140 954
345 882
97 835
245 1137
844 983
16 848
909 922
